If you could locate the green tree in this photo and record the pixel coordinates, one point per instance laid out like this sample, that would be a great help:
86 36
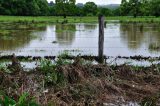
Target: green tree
90 8
24 7
105 11
116 12
43 7
131 7
145 8
134 7
33 8
124 8
2 9
52 10
155 7
19 7
6 7
65 7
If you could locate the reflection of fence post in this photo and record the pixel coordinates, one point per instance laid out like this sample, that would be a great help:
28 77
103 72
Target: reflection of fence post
101 39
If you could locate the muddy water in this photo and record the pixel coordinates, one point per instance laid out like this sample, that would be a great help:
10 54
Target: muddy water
120 39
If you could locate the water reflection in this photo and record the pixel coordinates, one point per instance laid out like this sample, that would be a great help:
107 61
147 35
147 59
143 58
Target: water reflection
140 35
120 39
154 41
132 34
14 36
90 26
65 34
15 40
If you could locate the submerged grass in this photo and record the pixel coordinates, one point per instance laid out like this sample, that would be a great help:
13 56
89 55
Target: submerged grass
4 32
154 46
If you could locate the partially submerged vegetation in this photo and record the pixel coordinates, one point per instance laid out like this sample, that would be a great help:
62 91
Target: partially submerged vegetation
66 82
85 57
154 46
76 19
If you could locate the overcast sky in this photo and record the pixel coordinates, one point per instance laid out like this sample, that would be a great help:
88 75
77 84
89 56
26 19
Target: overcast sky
97 1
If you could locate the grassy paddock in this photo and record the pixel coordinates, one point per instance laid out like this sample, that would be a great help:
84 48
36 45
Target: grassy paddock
46 19
138 19
54 19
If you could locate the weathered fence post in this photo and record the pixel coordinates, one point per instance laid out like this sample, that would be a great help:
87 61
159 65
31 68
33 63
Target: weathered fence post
101 39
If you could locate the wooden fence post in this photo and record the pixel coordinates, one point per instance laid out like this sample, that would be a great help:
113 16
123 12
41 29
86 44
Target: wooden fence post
101 39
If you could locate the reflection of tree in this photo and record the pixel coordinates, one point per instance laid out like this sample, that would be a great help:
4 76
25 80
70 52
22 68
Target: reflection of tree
133 34
154 41
136 34
90 26
14 36
15 39
65 34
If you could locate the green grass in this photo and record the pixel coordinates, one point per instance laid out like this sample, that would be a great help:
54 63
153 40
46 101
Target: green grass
54 19
138 19
4 32
24 100
46 19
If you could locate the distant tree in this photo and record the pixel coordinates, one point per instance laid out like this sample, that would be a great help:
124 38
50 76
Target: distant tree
155 7
116 12
90 8
32 8
65 7
52 10
124 8
134 7
79 11
6 7
24 7
105 11
72 7
2 9
131 7
145 8
20 7
43 7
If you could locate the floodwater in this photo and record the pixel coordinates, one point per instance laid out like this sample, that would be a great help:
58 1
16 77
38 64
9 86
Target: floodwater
81 38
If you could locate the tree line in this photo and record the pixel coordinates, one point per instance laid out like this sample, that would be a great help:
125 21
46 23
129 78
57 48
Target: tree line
43 8
24 7
140 8
69 8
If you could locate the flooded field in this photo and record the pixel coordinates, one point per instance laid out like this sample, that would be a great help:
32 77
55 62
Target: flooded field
120 39
74 79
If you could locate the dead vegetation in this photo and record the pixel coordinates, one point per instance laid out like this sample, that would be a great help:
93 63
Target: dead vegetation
65 83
